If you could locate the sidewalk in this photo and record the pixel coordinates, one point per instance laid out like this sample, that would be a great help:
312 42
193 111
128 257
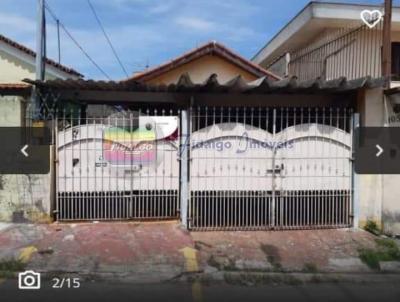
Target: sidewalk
154 252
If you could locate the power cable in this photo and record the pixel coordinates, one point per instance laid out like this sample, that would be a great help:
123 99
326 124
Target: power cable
54 16
107 37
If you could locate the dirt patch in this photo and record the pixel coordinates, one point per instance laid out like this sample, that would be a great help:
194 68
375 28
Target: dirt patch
273 256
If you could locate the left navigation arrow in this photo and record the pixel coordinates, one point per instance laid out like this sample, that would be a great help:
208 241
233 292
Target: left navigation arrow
23 151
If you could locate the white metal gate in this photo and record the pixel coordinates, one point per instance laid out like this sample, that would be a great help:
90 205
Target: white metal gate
122 166
264 168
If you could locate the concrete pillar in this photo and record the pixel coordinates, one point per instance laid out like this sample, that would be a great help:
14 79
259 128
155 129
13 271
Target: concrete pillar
371 187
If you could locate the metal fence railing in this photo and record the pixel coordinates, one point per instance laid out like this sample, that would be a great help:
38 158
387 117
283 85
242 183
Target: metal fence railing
249 167
347 52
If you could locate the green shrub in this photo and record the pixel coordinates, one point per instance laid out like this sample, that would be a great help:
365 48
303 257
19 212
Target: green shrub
386 250
372 227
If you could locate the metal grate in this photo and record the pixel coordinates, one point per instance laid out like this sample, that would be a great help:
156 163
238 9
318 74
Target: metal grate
119 205
251 210
264 168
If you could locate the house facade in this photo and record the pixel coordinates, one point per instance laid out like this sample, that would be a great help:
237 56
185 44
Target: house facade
329 41
226 151
241 155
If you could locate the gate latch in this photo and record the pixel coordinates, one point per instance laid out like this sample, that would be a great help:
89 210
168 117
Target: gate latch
278 169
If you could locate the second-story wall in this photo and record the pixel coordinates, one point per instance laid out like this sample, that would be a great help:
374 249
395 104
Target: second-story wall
350 53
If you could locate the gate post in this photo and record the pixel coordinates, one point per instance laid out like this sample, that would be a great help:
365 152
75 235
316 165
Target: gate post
354 176
184 142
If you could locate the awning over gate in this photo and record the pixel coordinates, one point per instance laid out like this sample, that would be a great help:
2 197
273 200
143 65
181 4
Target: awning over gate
211 85
236 92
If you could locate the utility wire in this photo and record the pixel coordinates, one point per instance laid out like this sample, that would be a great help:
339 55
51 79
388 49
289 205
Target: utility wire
107 38
75 41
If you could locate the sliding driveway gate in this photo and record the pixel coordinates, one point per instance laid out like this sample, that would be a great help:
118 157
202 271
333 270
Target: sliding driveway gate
249 168
270 168
121 166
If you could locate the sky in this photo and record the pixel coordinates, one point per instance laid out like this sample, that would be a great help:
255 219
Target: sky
149 32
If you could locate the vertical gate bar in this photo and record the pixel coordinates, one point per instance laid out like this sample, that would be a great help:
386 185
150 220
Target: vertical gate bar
222 196
273 168
155 211
87 169
252 205
324 189
354 192
206 172
235 192
259 179
184 156
309 188
213 178
122 194
57 165
245 198
74 194
199 193
147 191
336 169
129 206
266 200
103 197
79 197
314 173
229 194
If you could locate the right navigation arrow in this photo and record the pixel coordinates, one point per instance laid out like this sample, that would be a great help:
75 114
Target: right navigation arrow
380 151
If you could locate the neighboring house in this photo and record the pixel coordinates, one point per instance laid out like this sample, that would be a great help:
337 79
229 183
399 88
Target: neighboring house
17 62
329 40
23 193
211 58
199 63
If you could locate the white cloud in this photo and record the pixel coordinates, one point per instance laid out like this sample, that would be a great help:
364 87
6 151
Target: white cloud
195 23
15 23
161 8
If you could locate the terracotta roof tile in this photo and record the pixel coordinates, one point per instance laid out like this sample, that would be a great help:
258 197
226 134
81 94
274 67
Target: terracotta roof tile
15 89
206 49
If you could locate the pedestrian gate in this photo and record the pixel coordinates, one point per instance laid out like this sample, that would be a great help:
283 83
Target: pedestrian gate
249 168
123 166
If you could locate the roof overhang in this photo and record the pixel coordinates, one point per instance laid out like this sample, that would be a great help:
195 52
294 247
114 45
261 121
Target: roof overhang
234 93
311 21
15 89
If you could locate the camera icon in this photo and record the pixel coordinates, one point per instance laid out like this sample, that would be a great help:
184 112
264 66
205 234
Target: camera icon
29 280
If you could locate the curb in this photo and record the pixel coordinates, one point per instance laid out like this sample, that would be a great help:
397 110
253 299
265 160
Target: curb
259 278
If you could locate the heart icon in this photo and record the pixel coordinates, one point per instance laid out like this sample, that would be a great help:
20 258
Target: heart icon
371 17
